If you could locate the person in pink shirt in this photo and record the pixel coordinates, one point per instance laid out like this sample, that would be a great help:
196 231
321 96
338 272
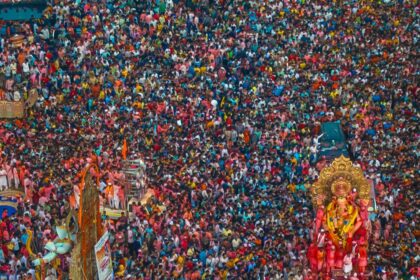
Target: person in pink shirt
121 197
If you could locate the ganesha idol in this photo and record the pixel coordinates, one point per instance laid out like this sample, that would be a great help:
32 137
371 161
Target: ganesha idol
341 197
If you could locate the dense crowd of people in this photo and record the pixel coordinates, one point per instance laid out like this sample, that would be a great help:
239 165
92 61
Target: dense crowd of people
224 101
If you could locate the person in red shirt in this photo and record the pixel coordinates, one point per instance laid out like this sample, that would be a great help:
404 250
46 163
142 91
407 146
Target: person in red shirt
312 257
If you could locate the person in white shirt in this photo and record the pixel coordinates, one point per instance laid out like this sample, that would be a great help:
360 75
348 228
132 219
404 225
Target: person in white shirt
14 263
388 214
16 96
25 68
3 179
51 274
24 261
348 264
236 242
15 242
45 34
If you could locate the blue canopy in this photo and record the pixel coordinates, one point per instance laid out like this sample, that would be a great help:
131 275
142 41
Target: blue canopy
9 204
333 143
21 11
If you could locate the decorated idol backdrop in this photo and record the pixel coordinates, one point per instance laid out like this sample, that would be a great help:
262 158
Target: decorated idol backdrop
340 242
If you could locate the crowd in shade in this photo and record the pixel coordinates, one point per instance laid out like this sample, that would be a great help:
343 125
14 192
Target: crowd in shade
8 2
224 101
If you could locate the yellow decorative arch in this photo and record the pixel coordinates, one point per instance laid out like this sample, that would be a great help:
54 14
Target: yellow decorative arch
341 173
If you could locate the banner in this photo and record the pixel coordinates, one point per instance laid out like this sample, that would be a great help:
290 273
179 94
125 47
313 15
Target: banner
103 258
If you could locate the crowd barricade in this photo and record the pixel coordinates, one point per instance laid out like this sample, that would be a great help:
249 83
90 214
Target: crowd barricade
12 109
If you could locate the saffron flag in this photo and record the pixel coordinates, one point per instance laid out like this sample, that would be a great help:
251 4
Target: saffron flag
124 149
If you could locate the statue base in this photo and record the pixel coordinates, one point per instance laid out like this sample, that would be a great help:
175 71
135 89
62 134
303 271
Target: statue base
337 272
112 213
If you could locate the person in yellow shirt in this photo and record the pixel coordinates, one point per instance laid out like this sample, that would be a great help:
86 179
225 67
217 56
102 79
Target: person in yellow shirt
124 72
334 94
292 187
85 85
180 260
101 95
121 271
109 193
